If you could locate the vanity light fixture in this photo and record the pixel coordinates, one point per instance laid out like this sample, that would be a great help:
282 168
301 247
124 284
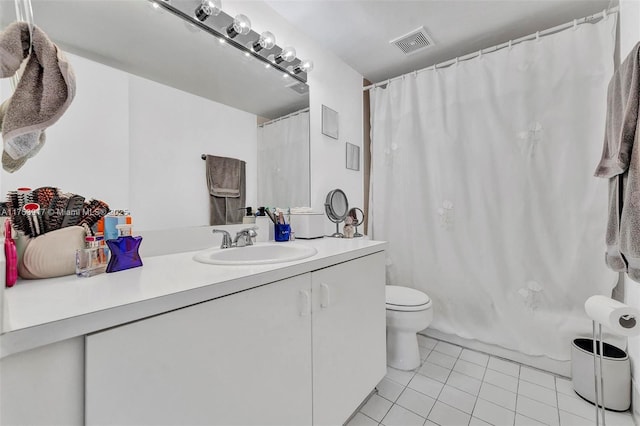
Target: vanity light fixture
288 54
305 66
241 25
266 41
208 16
208 8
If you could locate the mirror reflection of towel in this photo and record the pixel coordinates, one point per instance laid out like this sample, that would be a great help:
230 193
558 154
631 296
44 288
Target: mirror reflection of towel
227 189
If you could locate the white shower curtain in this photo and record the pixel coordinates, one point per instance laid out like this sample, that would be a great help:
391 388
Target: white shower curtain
482 182
283 162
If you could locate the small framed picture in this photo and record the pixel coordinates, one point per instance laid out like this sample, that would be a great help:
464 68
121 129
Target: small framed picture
329 122
353 156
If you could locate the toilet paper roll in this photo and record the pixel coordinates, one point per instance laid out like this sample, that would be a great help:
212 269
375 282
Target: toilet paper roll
621 319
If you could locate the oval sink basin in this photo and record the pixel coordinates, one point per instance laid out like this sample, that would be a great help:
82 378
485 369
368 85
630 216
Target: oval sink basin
258 254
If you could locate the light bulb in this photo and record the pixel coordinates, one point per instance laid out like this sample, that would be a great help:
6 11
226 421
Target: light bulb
208 8
288 54
305 66
266 41
241 25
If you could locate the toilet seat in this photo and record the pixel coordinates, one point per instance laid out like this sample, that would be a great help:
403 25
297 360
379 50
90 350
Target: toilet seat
406 299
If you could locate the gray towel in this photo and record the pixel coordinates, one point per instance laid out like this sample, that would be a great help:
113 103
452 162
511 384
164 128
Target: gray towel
44 93
8 163
226 183
620 163
223 176
623 101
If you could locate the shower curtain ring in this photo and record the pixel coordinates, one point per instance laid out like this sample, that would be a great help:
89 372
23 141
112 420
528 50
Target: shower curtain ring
604 14
537 35
575 24
510 45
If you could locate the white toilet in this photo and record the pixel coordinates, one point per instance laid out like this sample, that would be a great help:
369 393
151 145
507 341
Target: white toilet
408 311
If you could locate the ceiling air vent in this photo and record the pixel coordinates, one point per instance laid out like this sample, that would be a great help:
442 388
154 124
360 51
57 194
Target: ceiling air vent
299 88
413 42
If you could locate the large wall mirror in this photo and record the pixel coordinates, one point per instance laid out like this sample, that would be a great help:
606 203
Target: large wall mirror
153 94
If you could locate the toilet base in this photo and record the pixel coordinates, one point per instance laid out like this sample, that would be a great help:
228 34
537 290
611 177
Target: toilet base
402 350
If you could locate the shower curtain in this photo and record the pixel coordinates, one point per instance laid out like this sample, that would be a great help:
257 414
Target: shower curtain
283 162
482 183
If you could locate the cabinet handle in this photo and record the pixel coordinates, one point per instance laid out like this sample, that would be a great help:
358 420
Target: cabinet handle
324 295
305 303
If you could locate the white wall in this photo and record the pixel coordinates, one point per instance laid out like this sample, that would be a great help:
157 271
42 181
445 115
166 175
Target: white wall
629 36
136 144
332 83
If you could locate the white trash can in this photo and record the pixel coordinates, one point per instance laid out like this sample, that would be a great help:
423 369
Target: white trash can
616 371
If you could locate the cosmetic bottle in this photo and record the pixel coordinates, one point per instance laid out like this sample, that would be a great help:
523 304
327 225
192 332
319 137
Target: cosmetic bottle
248 217
92 259
10 255
124 250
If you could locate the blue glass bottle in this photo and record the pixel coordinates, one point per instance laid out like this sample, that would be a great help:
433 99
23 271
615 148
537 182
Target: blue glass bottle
124 250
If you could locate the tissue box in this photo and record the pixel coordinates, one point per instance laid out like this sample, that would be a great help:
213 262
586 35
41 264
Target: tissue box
307 225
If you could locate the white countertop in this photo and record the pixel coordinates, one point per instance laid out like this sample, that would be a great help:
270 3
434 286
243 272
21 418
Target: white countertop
39 312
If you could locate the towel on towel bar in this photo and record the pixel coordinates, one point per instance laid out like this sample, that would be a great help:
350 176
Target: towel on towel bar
227 193
620 163
43 94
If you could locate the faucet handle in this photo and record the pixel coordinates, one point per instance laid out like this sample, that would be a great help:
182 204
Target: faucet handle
244 236
226 238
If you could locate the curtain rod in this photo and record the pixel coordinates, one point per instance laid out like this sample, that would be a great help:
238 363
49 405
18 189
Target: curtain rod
587 19
284 116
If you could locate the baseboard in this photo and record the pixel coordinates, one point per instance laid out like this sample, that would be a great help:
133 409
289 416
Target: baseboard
561 368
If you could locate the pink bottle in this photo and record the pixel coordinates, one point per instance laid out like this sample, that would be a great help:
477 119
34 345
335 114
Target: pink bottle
11 256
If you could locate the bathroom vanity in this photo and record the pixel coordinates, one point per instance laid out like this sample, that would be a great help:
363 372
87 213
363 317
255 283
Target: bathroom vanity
181 342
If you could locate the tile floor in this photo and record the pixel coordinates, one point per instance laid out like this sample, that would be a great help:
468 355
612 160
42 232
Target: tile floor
455 386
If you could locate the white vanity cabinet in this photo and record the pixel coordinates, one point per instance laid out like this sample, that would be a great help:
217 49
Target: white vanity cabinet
349 336
243 359
300 351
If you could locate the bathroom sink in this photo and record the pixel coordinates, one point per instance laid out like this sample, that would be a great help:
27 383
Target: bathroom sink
257 254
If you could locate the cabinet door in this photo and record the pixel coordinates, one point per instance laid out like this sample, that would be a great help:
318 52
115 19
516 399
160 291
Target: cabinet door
349 336
244 359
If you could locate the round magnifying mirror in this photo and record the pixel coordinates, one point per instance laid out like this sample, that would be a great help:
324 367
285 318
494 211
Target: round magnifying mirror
336 206
357 215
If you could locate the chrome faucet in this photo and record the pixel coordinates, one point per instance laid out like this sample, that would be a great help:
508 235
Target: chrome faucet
226 238
244 237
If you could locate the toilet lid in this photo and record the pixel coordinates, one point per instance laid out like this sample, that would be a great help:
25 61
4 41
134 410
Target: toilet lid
398 296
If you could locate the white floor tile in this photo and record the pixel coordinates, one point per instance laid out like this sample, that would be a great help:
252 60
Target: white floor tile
576 406
498 396
537 392
474 357
464 382
441 359
424 352
538 377
470 369
477 422
376 407
415 401
361 420
399 416
448 349
506 367
526 421
568 419
617 419
564 386
537 410
445 415
457 398
426 385
434 371
426 342
389 389
399 376
502 380
492 413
